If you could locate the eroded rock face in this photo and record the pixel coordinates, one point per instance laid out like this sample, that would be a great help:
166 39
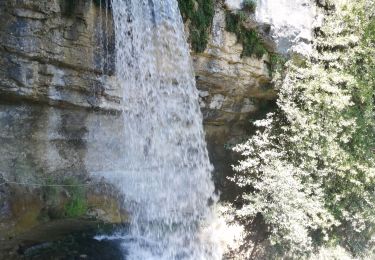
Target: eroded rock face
290 22
59 107
44 145
233 90
53 52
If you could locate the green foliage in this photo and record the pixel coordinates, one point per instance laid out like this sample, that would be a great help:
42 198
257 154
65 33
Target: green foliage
250 39
309 170
277 63
249 5
200 14
77 204
64 198
187 8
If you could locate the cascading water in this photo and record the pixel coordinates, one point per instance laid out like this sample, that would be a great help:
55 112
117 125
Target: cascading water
167 182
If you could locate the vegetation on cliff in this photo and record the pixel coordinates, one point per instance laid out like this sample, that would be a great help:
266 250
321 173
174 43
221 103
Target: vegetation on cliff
249 5
308 173
199 15
249 38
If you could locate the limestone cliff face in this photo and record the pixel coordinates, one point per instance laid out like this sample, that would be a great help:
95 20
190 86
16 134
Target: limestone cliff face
60 105
52 52
233 89
58 110
289 23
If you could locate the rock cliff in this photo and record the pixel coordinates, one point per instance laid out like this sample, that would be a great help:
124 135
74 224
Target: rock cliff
235 90
57 115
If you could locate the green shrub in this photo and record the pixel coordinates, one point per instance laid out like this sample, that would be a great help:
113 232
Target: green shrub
309 170
277 63
77 203
187 8
58 205
76 207
250 39
200 14
249 5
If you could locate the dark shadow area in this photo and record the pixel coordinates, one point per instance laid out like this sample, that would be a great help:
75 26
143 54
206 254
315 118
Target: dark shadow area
74 246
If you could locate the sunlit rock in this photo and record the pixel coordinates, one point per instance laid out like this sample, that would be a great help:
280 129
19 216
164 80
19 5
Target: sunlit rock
291 23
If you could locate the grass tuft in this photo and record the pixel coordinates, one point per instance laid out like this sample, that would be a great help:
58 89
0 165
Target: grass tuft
200 14
249 5
250 39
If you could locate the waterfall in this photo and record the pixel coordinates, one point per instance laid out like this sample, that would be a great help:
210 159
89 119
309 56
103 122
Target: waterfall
167 179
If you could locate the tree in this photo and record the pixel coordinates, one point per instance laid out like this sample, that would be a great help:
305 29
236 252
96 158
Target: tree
309 170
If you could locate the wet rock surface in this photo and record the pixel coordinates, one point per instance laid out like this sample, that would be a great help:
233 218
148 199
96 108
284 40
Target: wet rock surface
233 91
72 246
59 105
53 52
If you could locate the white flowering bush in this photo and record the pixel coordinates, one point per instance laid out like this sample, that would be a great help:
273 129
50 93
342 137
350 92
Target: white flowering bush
309 170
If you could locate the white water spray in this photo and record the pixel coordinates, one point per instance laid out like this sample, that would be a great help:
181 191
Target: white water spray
167 182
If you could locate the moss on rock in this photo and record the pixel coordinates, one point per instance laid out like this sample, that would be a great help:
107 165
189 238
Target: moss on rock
249 38
199 13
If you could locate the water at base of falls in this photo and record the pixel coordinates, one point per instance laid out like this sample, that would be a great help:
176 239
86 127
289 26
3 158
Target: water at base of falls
167 179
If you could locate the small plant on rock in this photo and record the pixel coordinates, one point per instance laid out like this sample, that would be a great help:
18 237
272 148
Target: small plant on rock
249 38
249 5
77 203
200 15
